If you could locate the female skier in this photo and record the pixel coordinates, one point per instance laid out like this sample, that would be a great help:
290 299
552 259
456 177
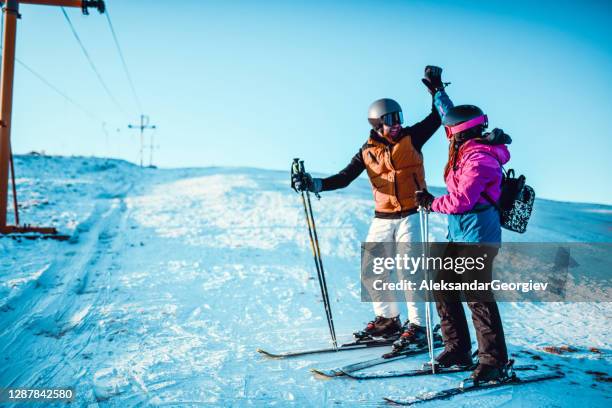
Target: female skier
473 178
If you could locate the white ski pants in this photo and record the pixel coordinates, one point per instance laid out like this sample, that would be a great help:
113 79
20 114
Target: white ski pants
406 229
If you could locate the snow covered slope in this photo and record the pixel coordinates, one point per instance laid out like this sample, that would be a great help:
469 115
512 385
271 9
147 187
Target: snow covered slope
173 278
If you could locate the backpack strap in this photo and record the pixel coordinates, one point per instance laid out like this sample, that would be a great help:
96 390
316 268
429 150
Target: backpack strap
490 200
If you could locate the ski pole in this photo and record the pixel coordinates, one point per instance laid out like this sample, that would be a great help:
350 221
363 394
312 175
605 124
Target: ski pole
298 168
323 283
424 221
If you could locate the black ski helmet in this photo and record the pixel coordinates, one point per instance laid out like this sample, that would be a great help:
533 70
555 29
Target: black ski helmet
463 117
388 108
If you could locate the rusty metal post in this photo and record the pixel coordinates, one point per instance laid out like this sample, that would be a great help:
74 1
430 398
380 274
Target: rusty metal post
61 3
15 203
10 15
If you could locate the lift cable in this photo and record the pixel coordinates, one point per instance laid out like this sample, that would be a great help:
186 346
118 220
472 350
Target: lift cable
59 91
91 63
49 84
121 56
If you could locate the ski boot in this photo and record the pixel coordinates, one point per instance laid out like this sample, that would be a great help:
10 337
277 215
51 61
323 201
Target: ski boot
485 373
411 334
385 327
454 358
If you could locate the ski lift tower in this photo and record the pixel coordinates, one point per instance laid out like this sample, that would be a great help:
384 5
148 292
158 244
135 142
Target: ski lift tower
10 9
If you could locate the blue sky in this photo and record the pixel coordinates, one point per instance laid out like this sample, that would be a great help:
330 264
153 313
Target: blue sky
258 83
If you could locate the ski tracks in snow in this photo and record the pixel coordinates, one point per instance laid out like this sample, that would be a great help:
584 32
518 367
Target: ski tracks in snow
51 321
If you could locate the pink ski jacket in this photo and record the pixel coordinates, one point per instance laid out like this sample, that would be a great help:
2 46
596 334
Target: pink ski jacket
478 169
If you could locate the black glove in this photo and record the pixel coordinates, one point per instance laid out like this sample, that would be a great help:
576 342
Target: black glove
496 137
305 182
424 198
433 79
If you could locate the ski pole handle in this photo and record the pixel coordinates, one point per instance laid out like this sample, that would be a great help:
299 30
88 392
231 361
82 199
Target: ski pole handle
302 172
295 165
295 170
421 208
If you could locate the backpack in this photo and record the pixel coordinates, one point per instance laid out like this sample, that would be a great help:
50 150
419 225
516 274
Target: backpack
515 202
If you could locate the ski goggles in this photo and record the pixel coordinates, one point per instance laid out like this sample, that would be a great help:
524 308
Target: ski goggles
453 130
393 118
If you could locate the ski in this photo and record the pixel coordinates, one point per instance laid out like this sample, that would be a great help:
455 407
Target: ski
426 370
356 345
337 372
464 388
